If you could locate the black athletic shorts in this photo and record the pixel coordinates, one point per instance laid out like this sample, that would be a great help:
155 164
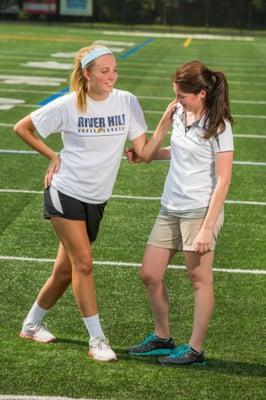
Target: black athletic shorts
57 204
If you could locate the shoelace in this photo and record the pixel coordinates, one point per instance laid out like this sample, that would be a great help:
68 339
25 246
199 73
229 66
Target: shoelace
148 339
101 343
42 326
39 327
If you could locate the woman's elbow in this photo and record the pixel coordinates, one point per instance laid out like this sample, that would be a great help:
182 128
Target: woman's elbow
23 126
146 158
225 184
17 129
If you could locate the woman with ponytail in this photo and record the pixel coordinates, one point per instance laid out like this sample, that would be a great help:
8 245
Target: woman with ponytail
191 213
95 120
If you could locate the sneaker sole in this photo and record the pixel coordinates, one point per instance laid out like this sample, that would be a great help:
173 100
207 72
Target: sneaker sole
161 352
97 359
29 337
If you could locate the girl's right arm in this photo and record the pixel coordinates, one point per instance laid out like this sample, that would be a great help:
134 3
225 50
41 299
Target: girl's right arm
26 131
163 153
148 150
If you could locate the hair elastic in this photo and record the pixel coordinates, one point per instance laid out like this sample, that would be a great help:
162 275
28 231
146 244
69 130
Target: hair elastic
93 54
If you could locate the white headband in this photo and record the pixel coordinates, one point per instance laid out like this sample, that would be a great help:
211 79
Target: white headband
98 52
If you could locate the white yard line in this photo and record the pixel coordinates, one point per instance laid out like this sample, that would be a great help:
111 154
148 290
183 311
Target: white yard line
11 151
231 100
5 124
168 98
237 135
16 75
257 164
247 136
17 90
2 151
129 197
251 116
135 265
179 35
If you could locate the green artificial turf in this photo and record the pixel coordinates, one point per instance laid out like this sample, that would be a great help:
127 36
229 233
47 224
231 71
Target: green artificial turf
234 345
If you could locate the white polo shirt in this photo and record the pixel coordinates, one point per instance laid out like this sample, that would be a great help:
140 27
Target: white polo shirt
191 177
93 141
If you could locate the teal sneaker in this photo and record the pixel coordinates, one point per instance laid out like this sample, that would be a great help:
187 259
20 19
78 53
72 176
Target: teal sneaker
152 345
183 355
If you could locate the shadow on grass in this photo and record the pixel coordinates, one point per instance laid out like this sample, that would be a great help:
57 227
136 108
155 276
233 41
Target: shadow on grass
81 343
216 365
212 364
239 368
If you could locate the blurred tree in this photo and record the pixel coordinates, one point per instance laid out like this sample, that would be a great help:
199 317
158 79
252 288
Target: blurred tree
259 4
209 13
8 4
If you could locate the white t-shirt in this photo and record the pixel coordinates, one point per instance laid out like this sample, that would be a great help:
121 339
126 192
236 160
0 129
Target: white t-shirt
93 141
191 177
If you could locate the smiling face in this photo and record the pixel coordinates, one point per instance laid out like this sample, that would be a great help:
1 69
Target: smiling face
101 77
190 102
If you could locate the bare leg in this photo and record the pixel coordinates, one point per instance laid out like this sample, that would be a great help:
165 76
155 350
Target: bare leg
154 265
58 282
199 269
74 238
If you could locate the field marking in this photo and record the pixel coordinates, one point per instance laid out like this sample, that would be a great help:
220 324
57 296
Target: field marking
171 98
45 38
249 136
25 91
214 63
18 152
179 35
34 80
136 265
133 50
217 61
26 397
66 38
237 135
251 163
129 197
167 98
251 116
187 42
114 43
31 80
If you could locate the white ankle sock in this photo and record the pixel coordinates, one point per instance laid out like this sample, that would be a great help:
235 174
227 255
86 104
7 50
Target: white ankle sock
35 315
93 326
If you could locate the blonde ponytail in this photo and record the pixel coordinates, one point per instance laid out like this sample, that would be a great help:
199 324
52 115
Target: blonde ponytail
78 83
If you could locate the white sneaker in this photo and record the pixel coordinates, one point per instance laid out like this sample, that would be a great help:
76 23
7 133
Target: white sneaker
38 332
100 350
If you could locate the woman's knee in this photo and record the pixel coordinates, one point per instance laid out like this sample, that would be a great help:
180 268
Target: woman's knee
83 264
199 280
62 273
148 278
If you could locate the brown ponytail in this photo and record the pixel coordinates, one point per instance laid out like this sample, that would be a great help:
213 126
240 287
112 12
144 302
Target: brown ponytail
193 77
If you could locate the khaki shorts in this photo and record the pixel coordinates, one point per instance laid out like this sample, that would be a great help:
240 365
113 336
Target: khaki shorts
172 232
